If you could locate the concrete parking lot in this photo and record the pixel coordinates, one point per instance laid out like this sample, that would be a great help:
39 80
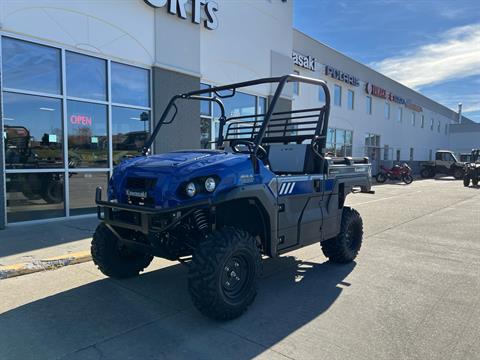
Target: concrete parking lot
413 293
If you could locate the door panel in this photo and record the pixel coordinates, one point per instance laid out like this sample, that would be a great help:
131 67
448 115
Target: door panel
294 195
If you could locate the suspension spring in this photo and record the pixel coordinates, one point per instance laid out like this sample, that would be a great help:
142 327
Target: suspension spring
200 217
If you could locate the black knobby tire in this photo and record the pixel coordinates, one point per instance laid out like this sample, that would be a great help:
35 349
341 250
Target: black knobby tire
381 178
223 274
345 247
53 192
458 173
466 180
426 173
407 179
113 259
475 181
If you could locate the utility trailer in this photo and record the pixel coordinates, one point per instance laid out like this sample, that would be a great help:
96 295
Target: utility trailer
268 188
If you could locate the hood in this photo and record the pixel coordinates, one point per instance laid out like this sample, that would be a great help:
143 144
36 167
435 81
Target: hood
179 161
162 176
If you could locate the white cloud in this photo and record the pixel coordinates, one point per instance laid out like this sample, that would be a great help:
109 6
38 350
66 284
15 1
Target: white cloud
455 55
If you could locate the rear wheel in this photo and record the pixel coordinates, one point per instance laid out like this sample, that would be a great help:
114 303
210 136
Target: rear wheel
345 247
466 180
475 181
381 177
223 274
407 179
112 258
427 173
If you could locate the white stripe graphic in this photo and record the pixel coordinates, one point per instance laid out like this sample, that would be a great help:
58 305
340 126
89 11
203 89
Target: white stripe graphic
282 188
291 189
290 185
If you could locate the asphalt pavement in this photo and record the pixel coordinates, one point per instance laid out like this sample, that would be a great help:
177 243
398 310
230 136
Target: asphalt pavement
413 293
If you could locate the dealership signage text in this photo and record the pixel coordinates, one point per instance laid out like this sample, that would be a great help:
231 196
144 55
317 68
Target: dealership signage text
342 76
178 7
304 61
384 94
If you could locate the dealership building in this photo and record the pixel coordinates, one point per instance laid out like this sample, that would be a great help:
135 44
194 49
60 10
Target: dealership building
83 83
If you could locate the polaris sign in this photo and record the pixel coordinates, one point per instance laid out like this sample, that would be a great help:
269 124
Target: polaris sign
179 8
306 62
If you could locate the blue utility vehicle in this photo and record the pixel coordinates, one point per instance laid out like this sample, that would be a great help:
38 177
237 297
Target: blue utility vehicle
267 188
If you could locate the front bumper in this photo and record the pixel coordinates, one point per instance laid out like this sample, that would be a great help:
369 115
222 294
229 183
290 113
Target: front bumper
139 217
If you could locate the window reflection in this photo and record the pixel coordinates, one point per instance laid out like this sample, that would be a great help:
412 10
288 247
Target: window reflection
34 196
30 66
82 191
130 85
130 129
86 76
87 134
32 131
238 105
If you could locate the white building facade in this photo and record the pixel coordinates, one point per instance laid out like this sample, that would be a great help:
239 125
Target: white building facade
83 82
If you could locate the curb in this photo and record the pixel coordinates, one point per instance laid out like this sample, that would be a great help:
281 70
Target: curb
52 263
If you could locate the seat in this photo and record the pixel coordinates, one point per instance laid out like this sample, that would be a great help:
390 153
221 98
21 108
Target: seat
292 159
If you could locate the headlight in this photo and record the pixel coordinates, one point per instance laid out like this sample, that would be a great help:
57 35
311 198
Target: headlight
210 184
190 189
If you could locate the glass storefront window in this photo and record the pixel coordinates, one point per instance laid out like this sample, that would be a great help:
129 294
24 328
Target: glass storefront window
32 131
205 132
262 105
205 106
238 105
86 76
351 99
82 191
29 66
337 95
130 129
34 196
130 85
87 135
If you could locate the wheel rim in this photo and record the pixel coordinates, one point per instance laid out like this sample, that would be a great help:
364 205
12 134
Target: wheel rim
236 276
352 237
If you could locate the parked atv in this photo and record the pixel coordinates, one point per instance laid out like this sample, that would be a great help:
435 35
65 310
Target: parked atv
396 173
445 163
268 189
472 169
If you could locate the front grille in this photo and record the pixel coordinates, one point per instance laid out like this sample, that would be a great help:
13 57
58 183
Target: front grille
140 183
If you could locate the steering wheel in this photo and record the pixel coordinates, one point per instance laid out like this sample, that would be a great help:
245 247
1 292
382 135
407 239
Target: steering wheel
261 152
316 146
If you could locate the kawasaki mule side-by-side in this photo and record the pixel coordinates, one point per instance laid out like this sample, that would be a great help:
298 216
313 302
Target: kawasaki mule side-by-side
267 189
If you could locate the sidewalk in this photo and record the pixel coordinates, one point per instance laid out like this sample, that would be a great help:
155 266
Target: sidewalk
37 245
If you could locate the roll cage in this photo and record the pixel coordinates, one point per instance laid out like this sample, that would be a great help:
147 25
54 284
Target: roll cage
267 128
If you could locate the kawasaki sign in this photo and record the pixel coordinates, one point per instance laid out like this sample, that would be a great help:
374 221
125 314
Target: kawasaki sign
179 8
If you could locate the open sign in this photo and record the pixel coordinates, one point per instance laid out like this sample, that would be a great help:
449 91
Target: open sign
81 120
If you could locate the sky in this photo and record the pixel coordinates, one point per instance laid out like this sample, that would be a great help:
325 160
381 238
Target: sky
430 46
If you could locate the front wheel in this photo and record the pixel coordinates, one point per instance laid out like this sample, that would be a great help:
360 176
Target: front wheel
407 179
345 247
381 178
223 275
466 180
112 258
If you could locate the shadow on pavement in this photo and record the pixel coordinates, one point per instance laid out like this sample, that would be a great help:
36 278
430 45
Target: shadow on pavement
18 239
151 316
